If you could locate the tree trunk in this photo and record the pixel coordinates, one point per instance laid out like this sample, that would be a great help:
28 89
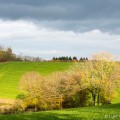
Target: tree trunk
61 102
93 98
98 99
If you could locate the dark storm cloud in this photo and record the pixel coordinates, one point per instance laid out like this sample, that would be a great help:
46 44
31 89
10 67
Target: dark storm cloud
77 15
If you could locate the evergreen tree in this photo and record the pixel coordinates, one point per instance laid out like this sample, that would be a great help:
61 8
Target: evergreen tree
86 58
81 59
70 58
74 58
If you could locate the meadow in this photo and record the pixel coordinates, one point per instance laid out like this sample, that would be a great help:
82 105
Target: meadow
11 72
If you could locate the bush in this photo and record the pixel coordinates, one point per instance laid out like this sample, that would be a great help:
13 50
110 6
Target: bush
38 92
10 109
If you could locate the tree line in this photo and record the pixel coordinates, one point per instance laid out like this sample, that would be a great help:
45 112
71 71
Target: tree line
69 58
7 54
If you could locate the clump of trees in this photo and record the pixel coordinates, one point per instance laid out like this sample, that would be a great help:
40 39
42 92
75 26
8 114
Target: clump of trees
83 59
65 58
101 77
84 84
28 58
69 59
6 54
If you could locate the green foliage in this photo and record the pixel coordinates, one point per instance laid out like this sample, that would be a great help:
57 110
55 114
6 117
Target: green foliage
66 85
79 99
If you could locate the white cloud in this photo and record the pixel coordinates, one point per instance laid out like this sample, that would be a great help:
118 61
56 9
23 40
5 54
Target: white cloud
31 39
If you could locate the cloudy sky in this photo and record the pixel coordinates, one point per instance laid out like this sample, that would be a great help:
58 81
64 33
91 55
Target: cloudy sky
48 28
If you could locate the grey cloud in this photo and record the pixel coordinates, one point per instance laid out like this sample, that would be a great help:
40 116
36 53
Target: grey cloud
73 9
75 15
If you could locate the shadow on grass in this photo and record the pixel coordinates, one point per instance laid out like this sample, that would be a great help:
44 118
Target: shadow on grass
52 116
110 106
41 116
83 113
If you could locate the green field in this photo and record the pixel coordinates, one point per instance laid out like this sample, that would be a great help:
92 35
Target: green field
106 112
11 72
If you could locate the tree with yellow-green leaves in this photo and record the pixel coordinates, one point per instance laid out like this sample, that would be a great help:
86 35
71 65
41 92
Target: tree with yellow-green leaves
6 54
40 93
100 74
34 87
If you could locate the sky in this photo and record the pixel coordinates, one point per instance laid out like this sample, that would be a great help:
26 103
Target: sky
53 28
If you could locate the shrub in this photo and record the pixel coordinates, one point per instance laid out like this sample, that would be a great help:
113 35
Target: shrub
38 92
10 109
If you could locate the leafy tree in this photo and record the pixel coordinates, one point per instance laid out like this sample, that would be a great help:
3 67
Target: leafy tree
71 87
33 85
38 92
99 74
6 54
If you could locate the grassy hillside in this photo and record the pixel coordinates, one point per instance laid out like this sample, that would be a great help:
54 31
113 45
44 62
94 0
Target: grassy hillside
106 112
11 72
